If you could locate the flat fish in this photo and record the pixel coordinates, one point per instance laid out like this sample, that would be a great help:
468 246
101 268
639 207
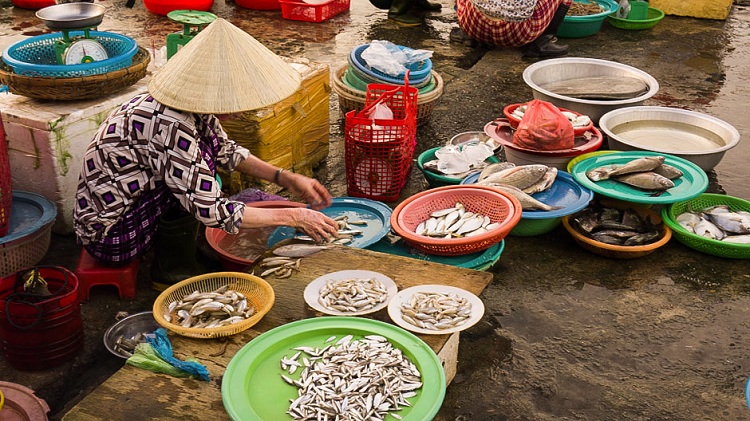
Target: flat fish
527 202
298 250
544 183
521 176
732 222
646 181
634 166
668 171
688 220
706 228
493 168
737 239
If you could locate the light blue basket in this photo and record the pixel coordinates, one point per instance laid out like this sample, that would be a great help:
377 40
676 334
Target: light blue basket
36 57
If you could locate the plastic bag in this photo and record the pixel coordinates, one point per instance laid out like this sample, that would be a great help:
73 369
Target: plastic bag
390 59
163 347
544 128
146 357
380 111
454 159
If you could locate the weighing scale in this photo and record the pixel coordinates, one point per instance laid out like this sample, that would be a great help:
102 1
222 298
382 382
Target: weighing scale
67 17
193 21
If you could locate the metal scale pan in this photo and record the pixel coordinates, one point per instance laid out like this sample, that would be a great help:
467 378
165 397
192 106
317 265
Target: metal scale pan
71 15
66 17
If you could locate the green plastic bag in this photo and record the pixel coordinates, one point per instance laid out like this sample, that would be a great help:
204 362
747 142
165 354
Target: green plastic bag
146 357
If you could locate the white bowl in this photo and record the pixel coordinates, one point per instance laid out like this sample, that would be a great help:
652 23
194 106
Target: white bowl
555 70
697 137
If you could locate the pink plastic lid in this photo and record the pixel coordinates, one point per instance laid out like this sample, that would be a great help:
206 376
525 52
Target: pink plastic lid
22 404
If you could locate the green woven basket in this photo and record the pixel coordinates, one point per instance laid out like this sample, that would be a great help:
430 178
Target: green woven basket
703 244
653 17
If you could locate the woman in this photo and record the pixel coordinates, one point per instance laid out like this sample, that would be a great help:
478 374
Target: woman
152 164
536 34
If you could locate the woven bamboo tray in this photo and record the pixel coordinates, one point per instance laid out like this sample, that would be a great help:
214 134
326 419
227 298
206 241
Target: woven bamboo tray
75 88
352 99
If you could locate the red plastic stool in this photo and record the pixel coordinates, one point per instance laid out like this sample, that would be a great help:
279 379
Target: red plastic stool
90 273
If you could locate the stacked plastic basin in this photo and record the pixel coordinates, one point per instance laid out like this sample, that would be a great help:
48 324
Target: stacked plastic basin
351 79
359 73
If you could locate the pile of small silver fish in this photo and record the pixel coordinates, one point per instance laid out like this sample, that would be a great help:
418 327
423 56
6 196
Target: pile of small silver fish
455 222
576 120
280 266
436 310
521 182
345 234
287 259
363 379
647 173
616 226
207 310
352 295
719 223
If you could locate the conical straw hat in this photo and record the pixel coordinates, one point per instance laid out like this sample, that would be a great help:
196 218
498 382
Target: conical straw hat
223 70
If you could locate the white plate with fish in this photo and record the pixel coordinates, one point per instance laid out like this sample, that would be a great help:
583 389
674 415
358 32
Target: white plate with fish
332 292
460 309
690 184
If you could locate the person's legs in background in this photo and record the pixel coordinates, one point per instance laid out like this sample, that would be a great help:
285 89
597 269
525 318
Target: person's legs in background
545 46
402 12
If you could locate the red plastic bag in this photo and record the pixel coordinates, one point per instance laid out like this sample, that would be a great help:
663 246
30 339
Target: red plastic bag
544 128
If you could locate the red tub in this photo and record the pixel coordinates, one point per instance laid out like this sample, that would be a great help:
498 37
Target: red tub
221 242
37 332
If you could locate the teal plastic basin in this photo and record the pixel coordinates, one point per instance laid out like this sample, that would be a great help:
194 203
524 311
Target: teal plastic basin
585 26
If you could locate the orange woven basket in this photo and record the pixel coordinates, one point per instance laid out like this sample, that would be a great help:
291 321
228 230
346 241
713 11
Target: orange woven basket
499 206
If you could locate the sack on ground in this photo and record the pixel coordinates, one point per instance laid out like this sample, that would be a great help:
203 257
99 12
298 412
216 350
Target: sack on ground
544 127
507 10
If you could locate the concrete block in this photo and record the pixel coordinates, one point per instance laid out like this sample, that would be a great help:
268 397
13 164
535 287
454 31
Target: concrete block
705 9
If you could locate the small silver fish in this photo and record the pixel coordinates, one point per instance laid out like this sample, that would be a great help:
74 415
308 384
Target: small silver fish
298 250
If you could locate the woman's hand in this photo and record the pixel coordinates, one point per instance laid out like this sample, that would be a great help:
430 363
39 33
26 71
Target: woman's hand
308 189
315 224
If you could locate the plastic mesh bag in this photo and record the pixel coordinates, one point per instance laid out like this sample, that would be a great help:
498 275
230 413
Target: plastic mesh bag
544 128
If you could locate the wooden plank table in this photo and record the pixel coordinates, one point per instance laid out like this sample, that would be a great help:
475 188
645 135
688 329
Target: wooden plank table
133 393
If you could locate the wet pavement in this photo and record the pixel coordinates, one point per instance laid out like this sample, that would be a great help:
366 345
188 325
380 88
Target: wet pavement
567 334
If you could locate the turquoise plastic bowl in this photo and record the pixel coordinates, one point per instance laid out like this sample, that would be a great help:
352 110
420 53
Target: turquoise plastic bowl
586 26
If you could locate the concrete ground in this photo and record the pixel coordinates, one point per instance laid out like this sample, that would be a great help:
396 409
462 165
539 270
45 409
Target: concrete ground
567 335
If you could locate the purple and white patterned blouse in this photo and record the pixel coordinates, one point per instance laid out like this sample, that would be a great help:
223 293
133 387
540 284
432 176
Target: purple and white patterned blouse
143 144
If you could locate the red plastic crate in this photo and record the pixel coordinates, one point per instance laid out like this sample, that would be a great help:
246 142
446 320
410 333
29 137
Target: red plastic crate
294 10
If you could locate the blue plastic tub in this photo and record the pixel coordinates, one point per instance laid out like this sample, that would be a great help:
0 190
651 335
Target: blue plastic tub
29 232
